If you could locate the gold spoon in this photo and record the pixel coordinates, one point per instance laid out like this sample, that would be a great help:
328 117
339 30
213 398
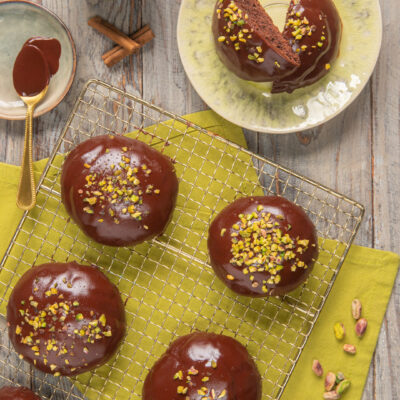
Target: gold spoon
26 197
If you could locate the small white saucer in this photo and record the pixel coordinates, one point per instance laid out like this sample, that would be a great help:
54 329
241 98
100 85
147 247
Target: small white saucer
19 21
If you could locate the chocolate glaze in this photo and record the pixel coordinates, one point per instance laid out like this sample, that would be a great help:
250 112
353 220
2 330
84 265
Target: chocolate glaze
275 64
315 62
51 49
230 370
293 221
83 318
31 72
120 229
17 393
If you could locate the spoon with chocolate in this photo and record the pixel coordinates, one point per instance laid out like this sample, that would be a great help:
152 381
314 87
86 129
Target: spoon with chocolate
37 61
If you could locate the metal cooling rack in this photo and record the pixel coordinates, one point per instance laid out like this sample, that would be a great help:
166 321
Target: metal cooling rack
169 287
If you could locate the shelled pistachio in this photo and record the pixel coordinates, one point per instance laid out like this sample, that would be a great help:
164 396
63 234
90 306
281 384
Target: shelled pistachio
317 368
361 327
356 309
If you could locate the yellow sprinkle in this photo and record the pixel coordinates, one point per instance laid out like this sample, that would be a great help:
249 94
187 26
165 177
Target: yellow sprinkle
265 289
178 375
102 319
230 277
182 390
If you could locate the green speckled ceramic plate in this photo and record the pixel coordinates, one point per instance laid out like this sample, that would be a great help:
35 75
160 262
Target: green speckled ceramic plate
251 105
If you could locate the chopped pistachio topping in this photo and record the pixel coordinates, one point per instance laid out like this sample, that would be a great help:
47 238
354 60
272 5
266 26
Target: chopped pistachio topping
55 316
261 243
121 191
237 31
196 383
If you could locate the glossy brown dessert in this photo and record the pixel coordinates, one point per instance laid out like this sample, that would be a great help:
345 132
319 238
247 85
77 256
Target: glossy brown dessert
17 393
204 366
37 61
65 319
314 29
251 46
248 42
262 246
120 191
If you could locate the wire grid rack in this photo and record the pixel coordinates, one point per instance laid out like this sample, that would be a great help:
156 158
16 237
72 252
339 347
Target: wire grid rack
168 285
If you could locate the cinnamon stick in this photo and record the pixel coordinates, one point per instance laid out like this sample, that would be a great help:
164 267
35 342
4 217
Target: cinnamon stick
116 54
114 34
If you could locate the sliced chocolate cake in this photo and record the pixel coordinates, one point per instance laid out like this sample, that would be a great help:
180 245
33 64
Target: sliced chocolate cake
248 42
314 29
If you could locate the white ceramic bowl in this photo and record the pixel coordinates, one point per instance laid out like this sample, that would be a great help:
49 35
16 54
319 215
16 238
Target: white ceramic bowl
20 20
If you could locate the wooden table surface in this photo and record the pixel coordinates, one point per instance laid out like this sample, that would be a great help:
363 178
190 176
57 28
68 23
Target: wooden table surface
356 154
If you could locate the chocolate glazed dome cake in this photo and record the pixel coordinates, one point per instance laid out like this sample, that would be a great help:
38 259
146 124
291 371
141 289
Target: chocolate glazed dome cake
204 366
119 191
314 29
248 42
17 393
262 246
65 319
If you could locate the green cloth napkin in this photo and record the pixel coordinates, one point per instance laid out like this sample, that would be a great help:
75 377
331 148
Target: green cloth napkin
366 274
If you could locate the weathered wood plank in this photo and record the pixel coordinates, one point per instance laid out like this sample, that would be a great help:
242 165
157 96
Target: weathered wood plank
386 168
165 83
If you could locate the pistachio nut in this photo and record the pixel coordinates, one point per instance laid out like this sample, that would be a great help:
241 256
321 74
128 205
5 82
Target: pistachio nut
339 331
356 308
343 386
330 381
361 327
332 395
317 368
339 377
350 349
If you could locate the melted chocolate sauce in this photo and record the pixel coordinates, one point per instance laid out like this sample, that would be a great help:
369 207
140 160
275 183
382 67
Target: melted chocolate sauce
120 191
37 61
31 72
17 393
51 49
290 219
204 365
76 318
320 49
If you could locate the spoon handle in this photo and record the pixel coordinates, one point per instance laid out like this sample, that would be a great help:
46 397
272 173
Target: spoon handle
26 198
